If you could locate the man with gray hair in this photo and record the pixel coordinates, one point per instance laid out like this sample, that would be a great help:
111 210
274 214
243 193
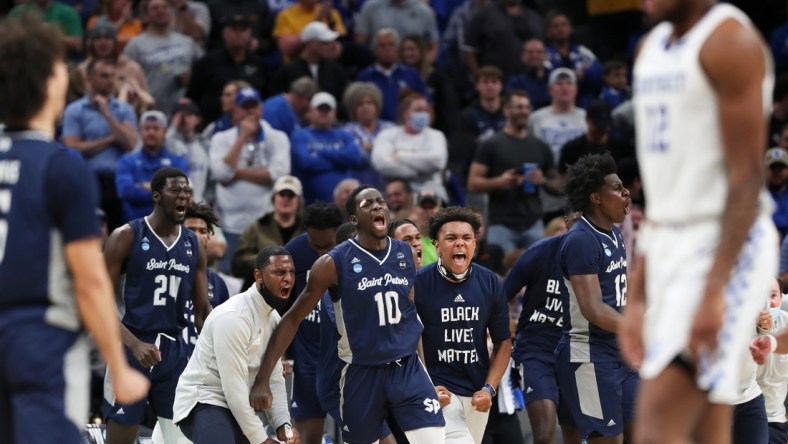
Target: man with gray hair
287 111
389 75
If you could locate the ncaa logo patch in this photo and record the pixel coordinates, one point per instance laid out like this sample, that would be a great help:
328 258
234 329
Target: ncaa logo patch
357 268
608 253
402 264
400 256
145 245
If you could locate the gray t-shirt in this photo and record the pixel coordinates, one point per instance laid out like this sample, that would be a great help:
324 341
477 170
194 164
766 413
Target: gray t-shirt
407 17
513 208
163 59
556 129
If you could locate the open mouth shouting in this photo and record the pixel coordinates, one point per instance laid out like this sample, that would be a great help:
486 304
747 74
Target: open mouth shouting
459 260
628 206
379 222
180 211
284 291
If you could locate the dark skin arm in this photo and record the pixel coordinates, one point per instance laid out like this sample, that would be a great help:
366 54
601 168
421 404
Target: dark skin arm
322 276
202 305
734 60
589 297
502 351
630 334
116 250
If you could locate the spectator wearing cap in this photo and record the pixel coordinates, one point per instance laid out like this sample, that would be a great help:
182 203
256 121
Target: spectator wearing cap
390 76
117 14
777 183
226 119
363 102
246 160
426 205
135 170
478 122
58 13
102 129
256 12
131 86
233 61
184 140
288 111
412 150
323 155
406 17
291 22
315 62
597 140
496 34
165 55
533 79
276 227
562 52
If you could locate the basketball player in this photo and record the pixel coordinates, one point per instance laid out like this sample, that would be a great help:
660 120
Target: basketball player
598 390
371 282
407 231
702 85
538 331
159 266
321 221
459 302
51 269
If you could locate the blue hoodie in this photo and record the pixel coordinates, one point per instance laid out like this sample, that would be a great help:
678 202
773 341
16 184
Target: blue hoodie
322 159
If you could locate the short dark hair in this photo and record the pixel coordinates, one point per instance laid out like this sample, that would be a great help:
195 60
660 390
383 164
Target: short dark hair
161 175
507 98
29 50
405 99
552 14
201 210
612 65
453 214
585 177
321 215
394 224
263 257
345 232
405 183
94 61
350 205
489 72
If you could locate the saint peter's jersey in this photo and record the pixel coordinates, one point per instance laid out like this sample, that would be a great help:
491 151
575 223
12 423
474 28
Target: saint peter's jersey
46 201
586 249
376 319
157 281
679 140
541 320
306 343
456 317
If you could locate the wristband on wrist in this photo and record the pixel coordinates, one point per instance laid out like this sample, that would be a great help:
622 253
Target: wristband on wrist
772 343
490 388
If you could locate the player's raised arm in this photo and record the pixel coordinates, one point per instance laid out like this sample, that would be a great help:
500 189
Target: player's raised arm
733 59
116 250
202 306
322 276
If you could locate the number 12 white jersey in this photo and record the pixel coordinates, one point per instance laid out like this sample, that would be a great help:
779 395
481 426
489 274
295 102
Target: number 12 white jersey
679 144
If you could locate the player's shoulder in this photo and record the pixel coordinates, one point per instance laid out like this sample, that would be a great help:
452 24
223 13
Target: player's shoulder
426 272
294 245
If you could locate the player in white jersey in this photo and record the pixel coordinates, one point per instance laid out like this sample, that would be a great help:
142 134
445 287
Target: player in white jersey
702 85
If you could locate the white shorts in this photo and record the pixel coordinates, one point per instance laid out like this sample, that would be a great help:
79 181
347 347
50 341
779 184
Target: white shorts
464 424
677 262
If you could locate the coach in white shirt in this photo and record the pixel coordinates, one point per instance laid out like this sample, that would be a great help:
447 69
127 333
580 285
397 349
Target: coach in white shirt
212 397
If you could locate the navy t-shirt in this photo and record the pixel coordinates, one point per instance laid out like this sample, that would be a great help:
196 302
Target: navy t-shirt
306 343
589 250
456 317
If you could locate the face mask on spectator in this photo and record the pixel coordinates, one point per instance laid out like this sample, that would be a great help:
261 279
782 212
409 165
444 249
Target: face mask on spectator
419 120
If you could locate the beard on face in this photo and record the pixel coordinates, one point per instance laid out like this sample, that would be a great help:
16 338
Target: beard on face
279 304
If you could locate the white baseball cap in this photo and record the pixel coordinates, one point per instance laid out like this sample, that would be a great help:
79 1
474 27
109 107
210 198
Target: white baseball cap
323 98
318 31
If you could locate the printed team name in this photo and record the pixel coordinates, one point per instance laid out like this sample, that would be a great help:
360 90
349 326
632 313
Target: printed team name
662 83
382 281
615 265
462 356
166 265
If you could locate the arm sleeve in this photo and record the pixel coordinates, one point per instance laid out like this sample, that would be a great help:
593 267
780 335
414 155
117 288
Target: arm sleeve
72 198
127 115
128 185
484 155
218 149
71 126
348 156
303 159
499 315
282 25
518 276
579 254
383 160
429 161
230 343
279 155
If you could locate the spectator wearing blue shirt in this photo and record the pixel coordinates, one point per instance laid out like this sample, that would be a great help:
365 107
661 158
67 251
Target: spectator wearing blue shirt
615 90
389 75
323 155
102 129
534 79
563 53
777 165
286 111
135 170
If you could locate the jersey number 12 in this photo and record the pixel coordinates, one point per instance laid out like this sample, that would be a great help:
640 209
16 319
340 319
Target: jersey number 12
388 308
165 286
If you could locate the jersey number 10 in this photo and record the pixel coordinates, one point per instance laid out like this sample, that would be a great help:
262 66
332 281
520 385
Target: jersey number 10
165 286
388 308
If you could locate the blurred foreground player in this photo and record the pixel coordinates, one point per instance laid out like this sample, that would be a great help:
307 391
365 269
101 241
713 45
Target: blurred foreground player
702 86
50 254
